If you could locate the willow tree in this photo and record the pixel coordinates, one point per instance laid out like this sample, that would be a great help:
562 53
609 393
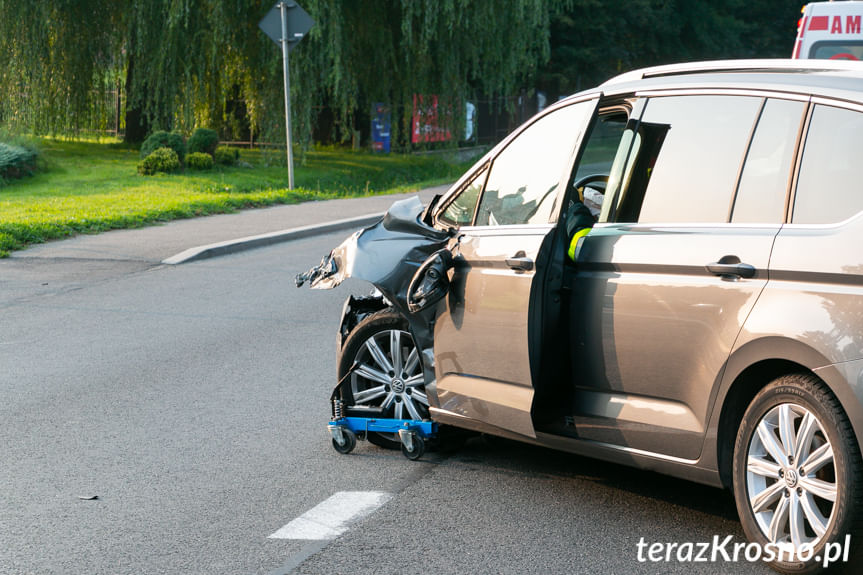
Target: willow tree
184 62
186 58
51 61
365 51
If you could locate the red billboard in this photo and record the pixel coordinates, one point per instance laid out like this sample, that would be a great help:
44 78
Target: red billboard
427 122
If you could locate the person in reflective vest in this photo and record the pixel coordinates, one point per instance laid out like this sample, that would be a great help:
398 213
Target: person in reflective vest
580 216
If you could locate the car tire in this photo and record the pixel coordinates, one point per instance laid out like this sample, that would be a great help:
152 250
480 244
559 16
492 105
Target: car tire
374 382
793 422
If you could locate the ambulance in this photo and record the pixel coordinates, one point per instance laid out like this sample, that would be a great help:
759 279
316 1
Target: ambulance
830 30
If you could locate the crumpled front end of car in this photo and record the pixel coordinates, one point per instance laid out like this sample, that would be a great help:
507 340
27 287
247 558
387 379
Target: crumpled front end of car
389 255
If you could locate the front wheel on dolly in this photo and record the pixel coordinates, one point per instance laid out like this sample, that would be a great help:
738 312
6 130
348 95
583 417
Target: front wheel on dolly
387 372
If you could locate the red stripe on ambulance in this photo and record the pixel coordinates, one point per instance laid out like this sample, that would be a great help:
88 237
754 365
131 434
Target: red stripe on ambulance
819 23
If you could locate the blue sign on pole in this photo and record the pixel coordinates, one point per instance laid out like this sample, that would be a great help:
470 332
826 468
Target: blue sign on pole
381 128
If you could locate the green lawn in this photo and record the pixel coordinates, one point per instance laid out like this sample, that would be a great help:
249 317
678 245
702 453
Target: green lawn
88 187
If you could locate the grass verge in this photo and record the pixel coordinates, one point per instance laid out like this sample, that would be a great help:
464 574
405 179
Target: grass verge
89 187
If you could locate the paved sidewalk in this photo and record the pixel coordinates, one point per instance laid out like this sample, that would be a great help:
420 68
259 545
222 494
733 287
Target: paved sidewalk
63 265
155 244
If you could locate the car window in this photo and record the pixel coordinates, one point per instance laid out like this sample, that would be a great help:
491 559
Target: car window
689 152
621 168
461 209
828 187
599 151
523 183
830 50
764 183
592 172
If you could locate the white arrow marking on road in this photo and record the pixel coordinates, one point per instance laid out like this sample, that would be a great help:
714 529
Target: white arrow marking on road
332 517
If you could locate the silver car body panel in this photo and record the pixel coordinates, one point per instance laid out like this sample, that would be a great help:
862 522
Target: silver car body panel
653 329
481 336
814 304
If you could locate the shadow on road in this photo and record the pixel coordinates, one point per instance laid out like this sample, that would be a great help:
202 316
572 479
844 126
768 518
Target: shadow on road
493 453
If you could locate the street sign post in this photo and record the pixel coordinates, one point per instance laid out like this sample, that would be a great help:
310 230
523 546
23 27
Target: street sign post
286 24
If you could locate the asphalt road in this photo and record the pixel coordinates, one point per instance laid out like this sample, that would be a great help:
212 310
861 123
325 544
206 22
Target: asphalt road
192 401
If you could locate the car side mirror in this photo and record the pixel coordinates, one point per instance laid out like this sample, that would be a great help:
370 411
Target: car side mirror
430 282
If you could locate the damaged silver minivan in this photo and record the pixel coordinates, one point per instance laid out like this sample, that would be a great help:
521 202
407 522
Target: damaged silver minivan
708 325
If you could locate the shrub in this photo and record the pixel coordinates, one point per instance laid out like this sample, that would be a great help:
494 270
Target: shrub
16 161
199 161
226 156
162 139
204 140
161 160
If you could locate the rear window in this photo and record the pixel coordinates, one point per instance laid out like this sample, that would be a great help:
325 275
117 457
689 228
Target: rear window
764 182
829 185
687 154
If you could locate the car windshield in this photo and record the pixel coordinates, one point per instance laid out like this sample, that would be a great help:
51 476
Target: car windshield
837 50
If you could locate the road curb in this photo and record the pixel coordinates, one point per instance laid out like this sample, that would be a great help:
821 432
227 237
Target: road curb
250 242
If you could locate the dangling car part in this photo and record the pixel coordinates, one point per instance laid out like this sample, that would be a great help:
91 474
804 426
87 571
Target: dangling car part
430 283
385 340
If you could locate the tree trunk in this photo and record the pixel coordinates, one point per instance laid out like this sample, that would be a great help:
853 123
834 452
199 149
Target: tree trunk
137 126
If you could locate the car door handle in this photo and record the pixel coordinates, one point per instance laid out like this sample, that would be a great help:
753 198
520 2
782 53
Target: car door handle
731 266
520 262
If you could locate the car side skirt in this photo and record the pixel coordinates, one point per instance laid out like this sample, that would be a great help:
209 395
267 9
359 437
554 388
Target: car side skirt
667 465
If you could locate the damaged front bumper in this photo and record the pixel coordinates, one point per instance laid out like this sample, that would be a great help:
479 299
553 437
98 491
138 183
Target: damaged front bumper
407 262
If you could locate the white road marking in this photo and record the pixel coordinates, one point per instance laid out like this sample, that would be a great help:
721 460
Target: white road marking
333 516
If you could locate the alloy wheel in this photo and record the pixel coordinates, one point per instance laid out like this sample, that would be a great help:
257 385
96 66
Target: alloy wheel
791 477
388 374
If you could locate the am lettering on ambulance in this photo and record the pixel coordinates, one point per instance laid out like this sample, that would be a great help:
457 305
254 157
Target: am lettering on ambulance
830 30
